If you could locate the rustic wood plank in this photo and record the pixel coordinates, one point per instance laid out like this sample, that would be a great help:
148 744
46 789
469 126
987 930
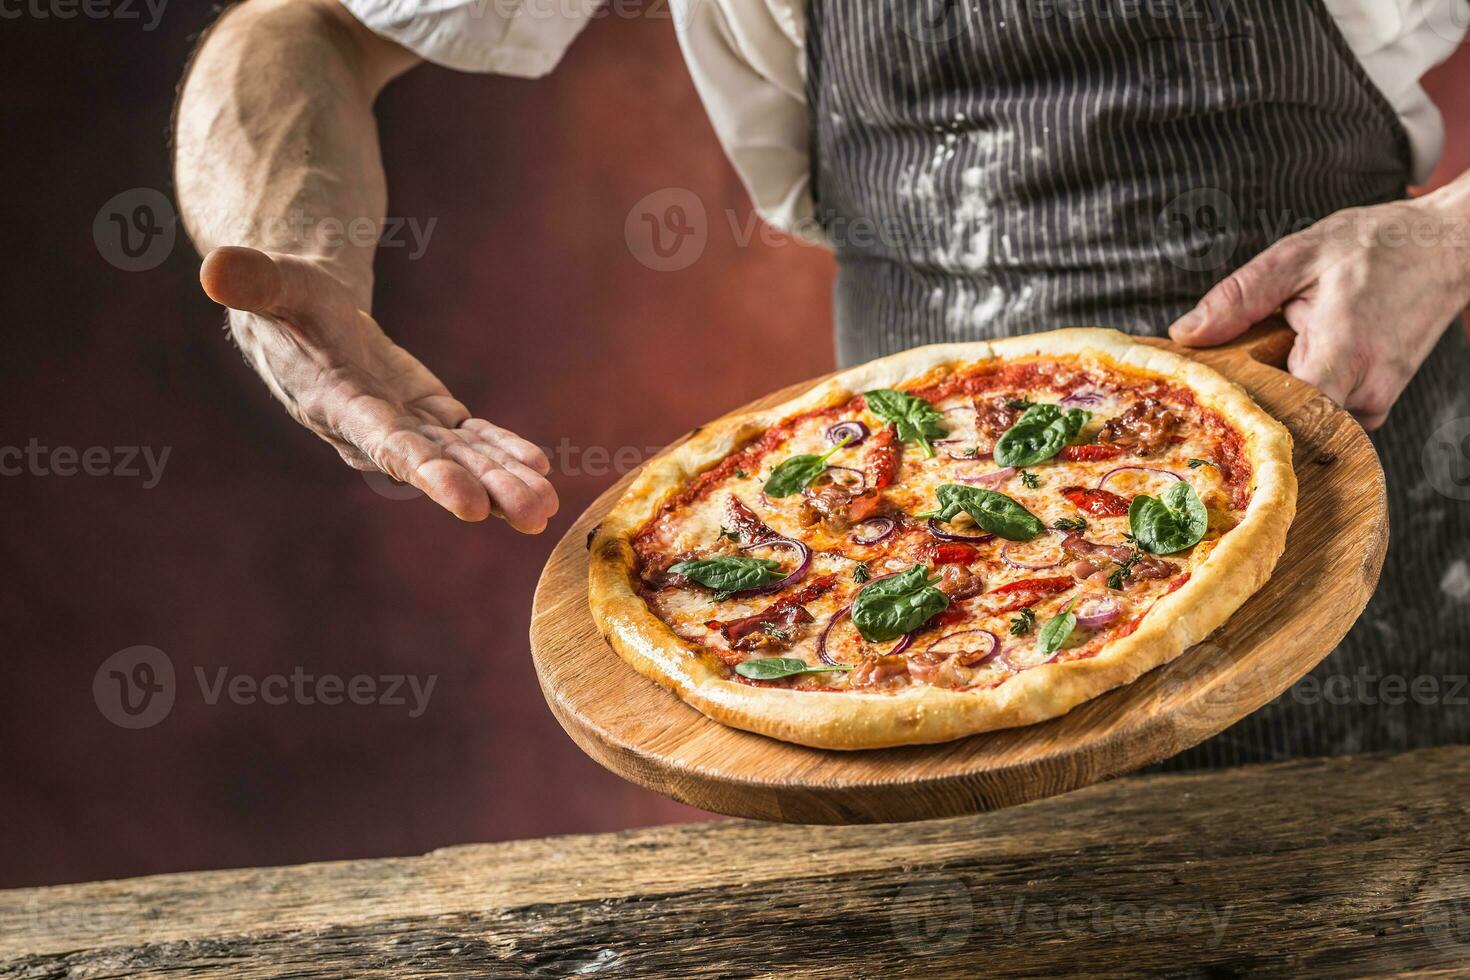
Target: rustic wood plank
1334 554
1350 866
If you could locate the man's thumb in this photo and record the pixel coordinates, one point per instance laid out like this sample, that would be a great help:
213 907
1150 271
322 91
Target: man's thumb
250 280
1246 297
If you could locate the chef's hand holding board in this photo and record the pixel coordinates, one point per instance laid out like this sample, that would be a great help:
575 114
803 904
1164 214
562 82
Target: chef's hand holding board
1369 292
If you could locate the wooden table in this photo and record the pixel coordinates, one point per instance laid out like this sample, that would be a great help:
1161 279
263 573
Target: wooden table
1352 866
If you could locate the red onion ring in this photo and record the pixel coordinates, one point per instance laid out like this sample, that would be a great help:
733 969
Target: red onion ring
843 430
1097 611
804 561
1005 556
862 479
1083 397
826 658
993 479
1103 483
975 457
942 535
970 441
877 529
991 655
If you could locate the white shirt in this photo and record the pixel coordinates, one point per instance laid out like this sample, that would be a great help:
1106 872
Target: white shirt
747 61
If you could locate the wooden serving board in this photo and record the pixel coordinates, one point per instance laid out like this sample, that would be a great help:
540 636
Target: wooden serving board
1334 554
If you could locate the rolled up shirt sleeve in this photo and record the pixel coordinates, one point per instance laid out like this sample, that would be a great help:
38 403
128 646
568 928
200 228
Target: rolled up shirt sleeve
524 38
746 60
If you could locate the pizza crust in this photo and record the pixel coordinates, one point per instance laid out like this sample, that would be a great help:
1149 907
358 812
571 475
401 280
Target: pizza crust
1236 568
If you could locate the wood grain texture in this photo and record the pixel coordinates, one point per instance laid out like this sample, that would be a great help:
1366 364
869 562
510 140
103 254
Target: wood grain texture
1311 868
1333 557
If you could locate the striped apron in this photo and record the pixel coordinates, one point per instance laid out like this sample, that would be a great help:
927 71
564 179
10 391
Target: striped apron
998 167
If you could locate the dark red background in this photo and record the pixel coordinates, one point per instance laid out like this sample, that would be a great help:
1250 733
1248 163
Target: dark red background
259 551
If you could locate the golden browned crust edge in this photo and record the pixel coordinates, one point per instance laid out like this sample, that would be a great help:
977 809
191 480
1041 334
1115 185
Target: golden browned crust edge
1233 571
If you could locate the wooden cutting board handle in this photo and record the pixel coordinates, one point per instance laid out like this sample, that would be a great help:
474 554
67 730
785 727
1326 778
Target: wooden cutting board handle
1268 342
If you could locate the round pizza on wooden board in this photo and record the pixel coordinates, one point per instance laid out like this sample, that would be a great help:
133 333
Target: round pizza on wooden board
951 540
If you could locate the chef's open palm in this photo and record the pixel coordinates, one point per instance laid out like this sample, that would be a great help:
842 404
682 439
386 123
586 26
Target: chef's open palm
340 375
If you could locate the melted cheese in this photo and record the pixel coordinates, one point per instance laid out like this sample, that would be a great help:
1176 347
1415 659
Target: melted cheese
696 527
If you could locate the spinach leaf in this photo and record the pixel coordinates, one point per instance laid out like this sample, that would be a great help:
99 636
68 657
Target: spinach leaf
797 473
775 668
1170 522
1056 630
915 419
729 573
1039 434
890 607
992 510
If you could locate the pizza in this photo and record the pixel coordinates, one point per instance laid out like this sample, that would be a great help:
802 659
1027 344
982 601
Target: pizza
951 540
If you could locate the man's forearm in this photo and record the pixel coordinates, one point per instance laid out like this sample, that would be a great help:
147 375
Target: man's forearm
276 145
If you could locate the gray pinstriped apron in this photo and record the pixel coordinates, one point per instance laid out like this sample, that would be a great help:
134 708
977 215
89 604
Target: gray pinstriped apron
995 167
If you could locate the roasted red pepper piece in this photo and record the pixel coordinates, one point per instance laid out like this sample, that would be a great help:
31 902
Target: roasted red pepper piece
949 553
1089 453
1030 591
954 614
1098 503
1047 586
750 528
813 590
788 611
881 464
